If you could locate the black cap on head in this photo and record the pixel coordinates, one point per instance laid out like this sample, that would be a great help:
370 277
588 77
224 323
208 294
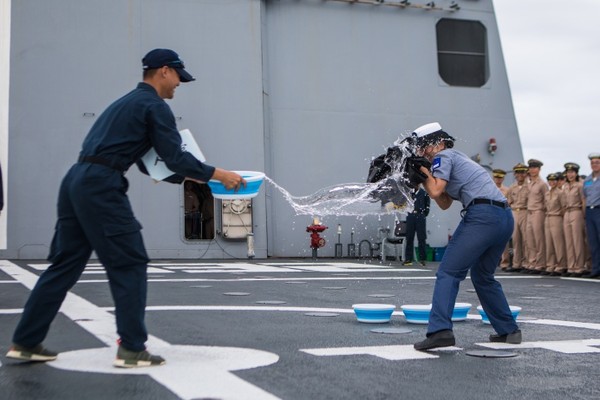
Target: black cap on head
498 173
571 166
520 168
533 163
158 58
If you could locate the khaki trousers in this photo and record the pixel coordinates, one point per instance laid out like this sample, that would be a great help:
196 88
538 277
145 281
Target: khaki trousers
520 239
555 244
573 223
536 242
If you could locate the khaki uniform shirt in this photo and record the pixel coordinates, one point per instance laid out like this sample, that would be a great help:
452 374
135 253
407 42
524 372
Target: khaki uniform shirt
554 202
517 196
573 195
537 191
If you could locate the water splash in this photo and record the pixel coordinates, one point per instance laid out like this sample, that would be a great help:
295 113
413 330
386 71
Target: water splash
389 195
347 199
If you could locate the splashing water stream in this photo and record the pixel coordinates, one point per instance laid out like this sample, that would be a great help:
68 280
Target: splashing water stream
347 199
359 199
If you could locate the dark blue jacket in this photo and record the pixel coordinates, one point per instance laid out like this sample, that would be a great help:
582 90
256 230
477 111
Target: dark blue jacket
422 203
133 124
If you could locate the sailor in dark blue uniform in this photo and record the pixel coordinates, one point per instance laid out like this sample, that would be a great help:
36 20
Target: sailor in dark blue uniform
416 222
94 212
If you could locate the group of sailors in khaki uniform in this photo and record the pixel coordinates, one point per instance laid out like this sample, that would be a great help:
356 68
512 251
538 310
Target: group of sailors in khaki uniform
549 235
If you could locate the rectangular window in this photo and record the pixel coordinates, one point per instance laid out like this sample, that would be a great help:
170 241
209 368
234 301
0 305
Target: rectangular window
462 52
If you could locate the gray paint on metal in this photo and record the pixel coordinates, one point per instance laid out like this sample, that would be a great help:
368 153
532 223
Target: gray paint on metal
306 91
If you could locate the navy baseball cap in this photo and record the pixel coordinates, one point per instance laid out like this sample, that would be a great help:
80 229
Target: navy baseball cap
158 58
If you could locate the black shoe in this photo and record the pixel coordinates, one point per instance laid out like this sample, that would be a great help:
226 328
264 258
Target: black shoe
512 338
591 276
438 339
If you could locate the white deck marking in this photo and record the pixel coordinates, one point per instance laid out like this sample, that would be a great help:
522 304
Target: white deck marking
560 346
392 353
206 268
99 269
191 371
407 352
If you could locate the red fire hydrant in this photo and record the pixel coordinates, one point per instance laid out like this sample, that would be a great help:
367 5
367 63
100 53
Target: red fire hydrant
316 241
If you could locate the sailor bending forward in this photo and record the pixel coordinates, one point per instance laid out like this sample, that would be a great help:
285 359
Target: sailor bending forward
477 243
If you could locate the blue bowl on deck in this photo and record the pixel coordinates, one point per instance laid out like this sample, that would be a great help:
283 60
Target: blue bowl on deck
254 180
514 310
373 313
460 311
419 314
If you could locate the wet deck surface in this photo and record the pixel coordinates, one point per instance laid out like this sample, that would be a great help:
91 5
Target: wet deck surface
240 330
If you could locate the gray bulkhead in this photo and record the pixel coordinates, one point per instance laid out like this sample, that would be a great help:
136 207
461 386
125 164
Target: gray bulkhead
308 91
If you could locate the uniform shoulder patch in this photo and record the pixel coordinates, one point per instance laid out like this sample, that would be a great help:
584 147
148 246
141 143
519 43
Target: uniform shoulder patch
437 162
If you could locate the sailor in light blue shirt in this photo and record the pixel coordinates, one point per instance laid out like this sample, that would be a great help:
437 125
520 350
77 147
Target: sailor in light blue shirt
466 180
591 191
478 242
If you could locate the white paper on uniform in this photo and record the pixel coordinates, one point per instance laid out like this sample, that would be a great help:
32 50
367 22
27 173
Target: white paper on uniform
157 169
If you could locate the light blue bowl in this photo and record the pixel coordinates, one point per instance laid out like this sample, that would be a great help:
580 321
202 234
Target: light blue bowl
419 314
460 311
254 180
515 310
373 313
416 313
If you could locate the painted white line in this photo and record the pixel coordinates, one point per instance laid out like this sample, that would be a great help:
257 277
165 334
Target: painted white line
567 324
316 279
560 346
249 308
393 353
11 311
570 324
407 352
192 371
39 267
150 270
155 264
204 267
95 268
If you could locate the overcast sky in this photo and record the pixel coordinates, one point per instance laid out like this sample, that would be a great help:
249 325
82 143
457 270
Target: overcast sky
552 54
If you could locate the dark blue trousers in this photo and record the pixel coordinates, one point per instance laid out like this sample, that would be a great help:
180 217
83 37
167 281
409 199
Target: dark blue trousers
477 245
416 223
592 225
94 213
